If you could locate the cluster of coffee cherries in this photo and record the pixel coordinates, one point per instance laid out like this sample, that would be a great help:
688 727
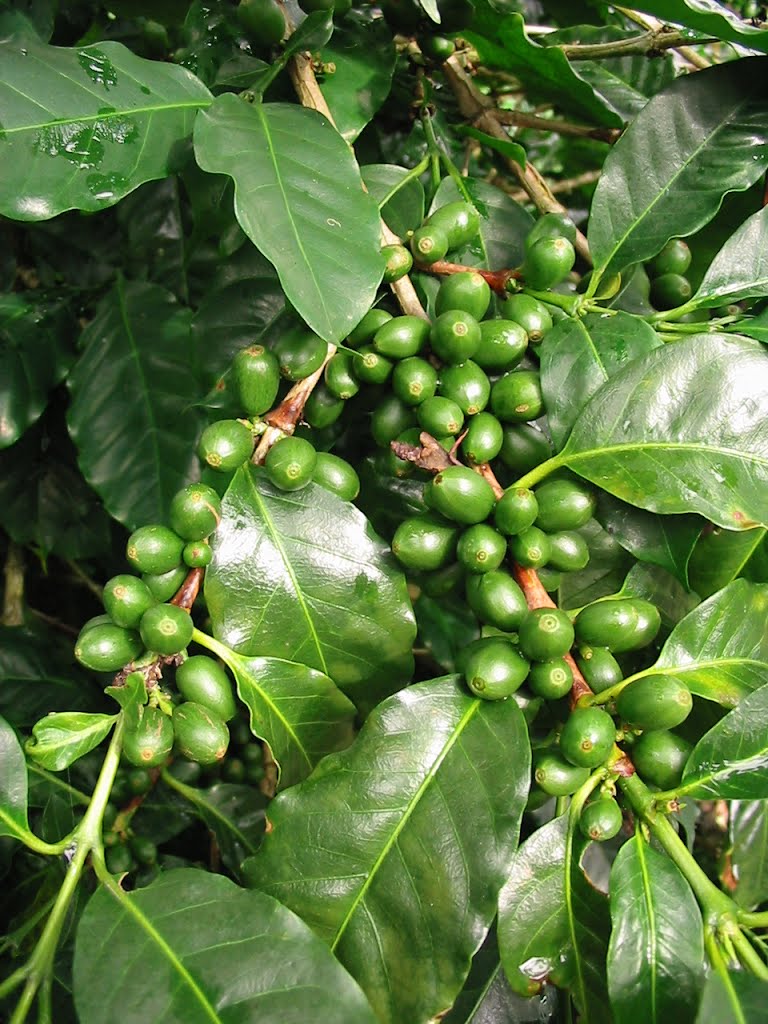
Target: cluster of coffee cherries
669 285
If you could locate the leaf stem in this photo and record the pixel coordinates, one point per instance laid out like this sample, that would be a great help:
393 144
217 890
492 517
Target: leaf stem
572 304
539 472
415 172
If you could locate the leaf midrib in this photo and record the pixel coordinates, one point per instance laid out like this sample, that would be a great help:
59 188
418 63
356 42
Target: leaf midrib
744 456
651 915
114 115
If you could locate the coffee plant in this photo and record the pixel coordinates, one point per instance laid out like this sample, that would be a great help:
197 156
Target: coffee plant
384 498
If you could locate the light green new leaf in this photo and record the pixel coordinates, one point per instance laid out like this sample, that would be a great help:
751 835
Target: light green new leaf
394 850
720 649
740 269
59 739
301 576
703 136
710 18
299 198
84 126
193 948
136 455
297 710
682 429
748 830
656 952
13 785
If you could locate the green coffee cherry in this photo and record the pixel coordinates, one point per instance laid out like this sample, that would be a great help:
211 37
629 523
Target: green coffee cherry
440 416
494 668
119 860
458 220
126 598
402 336
256 374
530 548
545 633
670 291
547 262
339 377
466 291
556 776
151 742
455 336
654 702
164 585
197 554
461 495
154 549
140 781
166 629
564 505
336 475
601 820
398 262
299 352
550 579
390 418
199 734
437 47
467 385
204 681
532 316
516 397
550 680
96 620
568 551
429 243
263 20
674 258
503 344
551 225
620 624
414 380
226 445
483 439
107 648
497 600
144 850
516 510
195 512
587 737
323 408
481 549
425 542
364 332
660 758
290 463
524 447
599 668
370 366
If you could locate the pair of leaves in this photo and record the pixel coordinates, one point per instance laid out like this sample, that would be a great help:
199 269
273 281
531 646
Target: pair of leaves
61 738
402 842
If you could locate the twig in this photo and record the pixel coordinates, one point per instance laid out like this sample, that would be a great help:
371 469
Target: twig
555 187
649 44
85 579
13 596
497 279
519 119
653 24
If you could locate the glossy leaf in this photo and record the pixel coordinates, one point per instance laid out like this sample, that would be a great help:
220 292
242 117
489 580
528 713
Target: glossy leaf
547 72
298 711
720 649
589 928
200 949
604 574
754 327
703 136
34 357
61 738
656 585
730 762
720 556
748 831
506 147
740 269
299 198
533 925
136 455
739 998
682 430
710 19
656 953
579 355
401 202
402 842
84 126
13 785
363 54
301 576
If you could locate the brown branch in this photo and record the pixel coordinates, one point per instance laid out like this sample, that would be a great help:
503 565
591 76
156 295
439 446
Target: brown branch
649 44
13 595
555 187
653 24
497 279
518 119
187 593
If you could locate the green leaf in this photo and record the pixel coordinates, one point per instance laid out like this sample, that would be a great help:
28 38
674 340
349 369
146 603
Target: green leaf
362 50
605 573
299 198
656 953
655 584
579 356
709 19
703 136
533 926
136 454
748 830
740 269
194 948
754 327
313 32
730 762
34 357
84 126
61 738
589 928
301 576
738 998
13 785
720 649
131 695
401 202
503 43
682 430
721 556
298 711
440 779
504 146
